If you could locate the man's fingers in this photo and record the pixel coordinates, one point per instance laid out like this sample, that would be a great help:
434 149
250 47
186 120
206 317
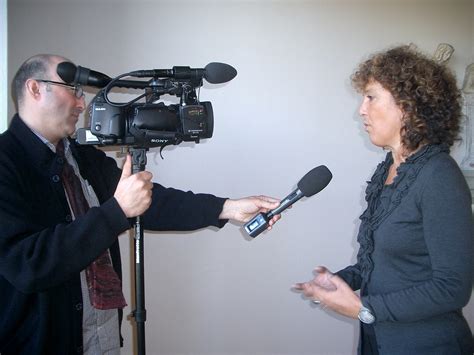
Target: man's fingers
127 167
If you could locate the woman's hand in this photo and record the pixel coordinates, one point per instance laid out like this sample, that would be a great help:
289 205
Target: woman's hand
332 292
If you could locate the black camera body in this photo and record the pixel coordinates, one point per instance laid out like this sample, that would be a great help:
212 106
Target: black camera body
147 124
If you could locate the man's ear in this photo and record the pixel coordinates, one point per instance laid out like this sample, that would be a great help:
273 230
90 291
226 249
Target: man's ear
32 89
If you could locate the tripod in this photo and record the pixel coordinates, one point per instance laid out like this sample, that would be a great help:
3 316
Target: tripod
139 314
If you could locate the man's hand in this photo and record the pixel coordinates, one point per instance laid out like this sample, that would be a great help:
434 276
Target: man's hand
133 192
242 210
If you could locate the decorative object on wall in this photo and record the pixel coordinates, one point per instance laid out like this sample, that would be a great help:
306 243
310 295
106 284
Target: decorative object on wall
468 84
443 52
468 96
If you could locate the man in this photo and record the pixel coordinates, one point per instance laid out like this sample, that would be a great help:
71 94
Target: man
62 208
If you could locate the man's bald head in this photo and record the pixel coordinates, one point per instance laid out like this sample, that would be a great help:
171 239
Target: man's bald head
36 67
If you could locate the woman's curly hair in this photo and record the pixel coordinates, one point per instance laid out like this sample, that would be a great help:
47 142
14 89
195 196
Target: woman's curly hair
425 90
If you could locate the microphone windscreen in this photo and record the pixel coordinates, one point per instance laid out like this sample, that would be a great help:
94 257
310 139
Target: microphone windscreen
315 180
218 73
66 71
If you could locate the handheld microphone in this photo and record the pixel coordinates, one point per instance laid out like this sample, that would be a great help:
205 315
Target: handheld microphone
310 184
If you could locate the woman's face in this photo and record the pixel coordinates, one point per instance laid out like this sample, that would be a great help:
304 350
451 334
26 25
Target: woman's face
382 117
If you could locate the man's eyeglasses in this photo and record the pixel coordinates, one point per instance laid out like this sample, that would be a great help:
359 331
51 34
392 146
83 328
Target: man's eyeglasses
78 91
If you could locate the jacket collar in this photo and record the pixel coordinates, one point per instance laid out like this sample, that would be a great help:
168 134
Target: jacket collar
39 153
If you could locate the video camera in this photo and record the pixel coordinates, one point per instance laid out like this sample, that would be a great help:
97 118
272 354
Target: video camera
148 124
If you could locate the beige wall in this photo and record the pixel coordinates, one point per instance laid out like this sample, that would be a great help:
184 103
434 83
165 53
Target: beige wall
289 109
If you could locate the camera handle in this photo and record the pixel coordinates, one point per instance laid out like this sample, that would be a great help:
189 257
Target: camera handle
139 314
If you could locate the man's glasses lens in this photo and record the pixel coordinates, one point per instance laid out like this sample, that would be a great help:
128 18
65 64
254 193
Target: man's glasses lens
78 90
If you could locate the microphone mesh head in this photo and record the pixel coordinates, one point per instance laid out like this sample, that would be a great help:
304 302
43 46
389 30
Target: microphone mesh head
218 73
315 180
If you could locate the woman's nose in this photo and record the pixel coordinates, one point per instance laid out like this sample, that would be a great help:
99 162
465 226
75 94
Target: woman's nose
363 108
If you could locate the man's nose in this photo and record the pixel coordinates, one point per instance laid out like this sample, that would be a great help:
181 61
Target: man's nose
82 103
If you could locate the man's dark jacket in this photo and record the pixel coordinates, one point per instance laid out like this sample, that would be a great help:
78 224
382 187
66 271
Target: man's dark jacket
42 251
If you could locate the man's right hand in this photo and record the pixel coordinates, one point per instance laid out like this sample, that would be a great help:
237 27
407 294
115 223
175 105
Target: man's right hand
133 192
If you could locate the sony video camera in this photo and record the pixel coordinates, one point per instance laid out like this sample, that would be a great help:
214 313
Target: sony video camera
148 124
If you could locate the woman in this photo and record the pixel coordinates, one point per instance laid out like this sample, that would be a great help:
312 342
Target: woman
414 265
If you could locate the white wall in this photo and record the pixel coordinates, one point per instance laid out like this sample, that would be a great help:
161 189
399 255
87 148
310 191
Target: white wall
289 109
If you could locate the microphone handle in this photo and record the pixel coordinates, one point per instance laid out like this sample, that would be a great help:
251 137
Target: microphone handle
260 222
286 202
176 72
162 73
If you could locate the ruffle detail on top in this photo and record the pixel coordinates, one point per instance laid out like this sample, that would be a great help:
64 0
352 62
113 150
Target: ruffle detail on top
377 212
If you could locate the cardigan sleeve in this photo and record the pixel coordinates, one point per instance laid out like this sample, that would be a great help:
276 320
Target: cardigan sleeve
352 276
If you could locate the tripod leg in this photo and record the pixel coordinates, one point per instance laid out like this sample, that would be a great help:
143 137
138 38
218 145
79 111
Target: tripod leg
139 314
